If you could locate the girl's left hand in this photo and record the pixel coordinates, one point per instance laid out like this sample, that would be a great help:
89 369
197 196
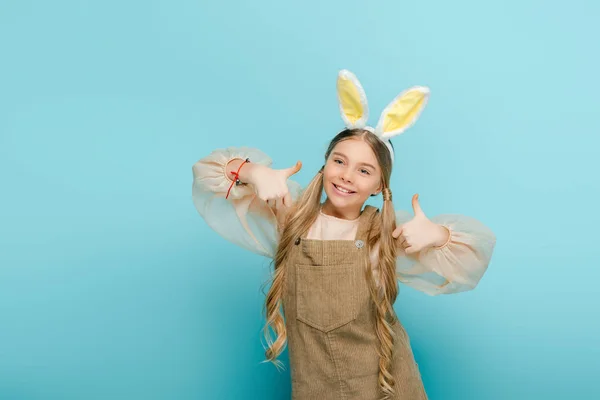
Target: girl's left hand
420 233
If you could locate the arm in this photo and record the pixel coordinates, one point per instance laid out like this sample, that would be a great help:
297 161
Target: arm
456 265
243 217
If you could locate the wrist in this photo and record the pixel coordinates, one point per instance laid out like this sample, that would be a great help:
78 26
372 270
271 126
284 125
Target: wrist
239 168
444 237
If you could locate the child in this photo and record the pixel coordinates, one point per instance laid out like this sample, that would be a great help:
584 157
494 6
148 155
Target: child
336 264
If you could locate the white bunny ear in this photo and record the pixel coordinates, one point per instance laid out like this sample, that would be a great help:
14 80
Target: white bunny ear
352 100
402 112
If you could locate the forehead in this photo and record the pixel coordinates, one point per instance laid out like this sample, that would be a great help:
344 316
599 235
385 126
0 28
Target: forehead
357 151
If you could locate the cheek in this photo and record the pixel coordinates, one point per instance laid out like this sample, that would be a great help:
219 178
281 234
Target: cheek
329 173
371 185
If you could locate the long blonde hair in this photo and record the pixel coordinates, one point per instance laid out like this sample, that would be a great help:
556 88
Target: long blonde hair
383 293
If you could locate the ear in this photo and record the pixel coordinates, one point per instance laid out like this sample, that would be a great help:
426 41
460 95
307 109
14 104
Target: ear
402 112
379 189
352 100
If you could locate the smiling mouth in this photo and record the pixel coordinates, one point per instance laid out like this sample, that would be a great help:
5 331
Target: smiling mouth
342 190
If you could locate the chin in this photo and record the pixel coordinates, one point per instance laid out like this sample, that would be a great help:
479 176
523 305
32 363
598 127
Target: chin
342 203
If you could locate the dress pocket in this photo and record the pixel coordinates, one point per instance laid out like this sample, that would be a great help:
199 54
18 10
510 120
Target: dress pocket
326 296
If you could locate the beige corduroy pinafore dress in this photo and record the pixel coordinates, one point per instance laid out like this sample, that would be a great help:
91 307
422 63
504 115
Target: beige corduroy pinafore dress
330 321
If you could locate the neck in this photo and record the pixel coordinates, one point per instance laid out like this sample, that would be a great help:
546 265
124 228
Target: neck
330 209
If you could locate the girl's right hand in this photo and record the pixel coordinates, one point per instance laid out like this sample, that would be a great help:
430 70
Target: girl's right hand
271 184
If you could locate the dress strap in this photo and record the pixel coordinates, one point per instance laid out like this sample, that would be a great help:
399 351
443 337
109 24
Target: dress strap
365 221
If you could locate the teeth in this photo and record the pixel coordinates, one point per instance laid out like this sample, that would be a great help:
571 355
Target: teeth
342 189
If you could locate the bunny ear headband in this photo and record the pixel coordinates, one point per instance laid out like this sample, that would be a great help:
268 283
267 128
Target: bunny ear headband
397 117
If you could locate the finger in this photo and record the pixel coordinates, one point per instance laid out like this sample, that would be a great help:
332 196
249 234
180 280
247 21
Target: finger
292 170
397 232
415 205
287 199
410 250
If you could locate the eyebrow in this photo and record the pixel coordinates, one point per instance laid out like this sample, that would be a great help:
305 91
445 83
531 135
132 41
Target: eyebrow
336 153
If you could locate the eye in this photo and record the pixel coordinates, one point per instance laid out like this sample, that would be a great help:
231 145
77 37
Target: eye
364 171
336 161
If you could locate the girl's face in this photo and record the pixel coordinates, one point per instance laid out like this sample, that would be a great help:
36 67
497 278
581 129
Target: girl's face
351 175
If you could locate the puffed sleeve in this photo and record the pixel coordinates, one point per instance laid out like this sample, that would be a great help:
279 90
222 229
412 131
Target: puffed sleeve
456 266
243 218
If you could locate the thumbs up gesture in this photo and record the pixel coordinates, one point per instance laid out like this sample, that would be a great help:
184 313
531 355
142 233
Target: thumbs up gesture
419 233
271 184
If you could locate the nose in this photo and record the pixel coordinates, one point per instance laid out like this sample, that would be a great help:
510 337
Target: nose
346 176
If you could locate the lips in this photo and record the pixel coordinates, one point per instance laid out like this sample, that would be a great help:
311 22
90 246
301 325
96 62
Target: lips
342 190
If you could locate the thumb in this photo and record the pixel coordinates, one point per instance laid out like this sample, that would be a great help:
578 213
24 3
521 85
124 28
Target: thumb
397 232
416 206
287 199
292 170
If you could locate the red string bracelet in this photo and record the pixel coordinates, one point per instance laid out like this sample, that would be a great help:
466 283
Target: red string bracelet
237 177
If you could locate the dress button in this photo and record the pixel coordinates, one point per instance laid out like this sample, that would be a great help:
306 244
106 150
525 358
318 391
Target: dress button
297 242
359 244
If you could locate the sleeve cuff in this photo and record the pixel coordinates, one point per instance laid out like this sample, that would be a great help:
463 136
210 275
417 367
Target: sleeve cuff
447 241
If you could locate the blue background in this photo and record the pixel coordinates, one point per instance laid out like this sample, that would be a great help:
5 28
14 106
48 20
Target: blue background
112 286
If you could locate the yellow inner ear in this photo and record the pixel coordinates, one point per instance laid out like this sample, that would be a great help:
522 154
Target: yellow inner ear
349 98
403 112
